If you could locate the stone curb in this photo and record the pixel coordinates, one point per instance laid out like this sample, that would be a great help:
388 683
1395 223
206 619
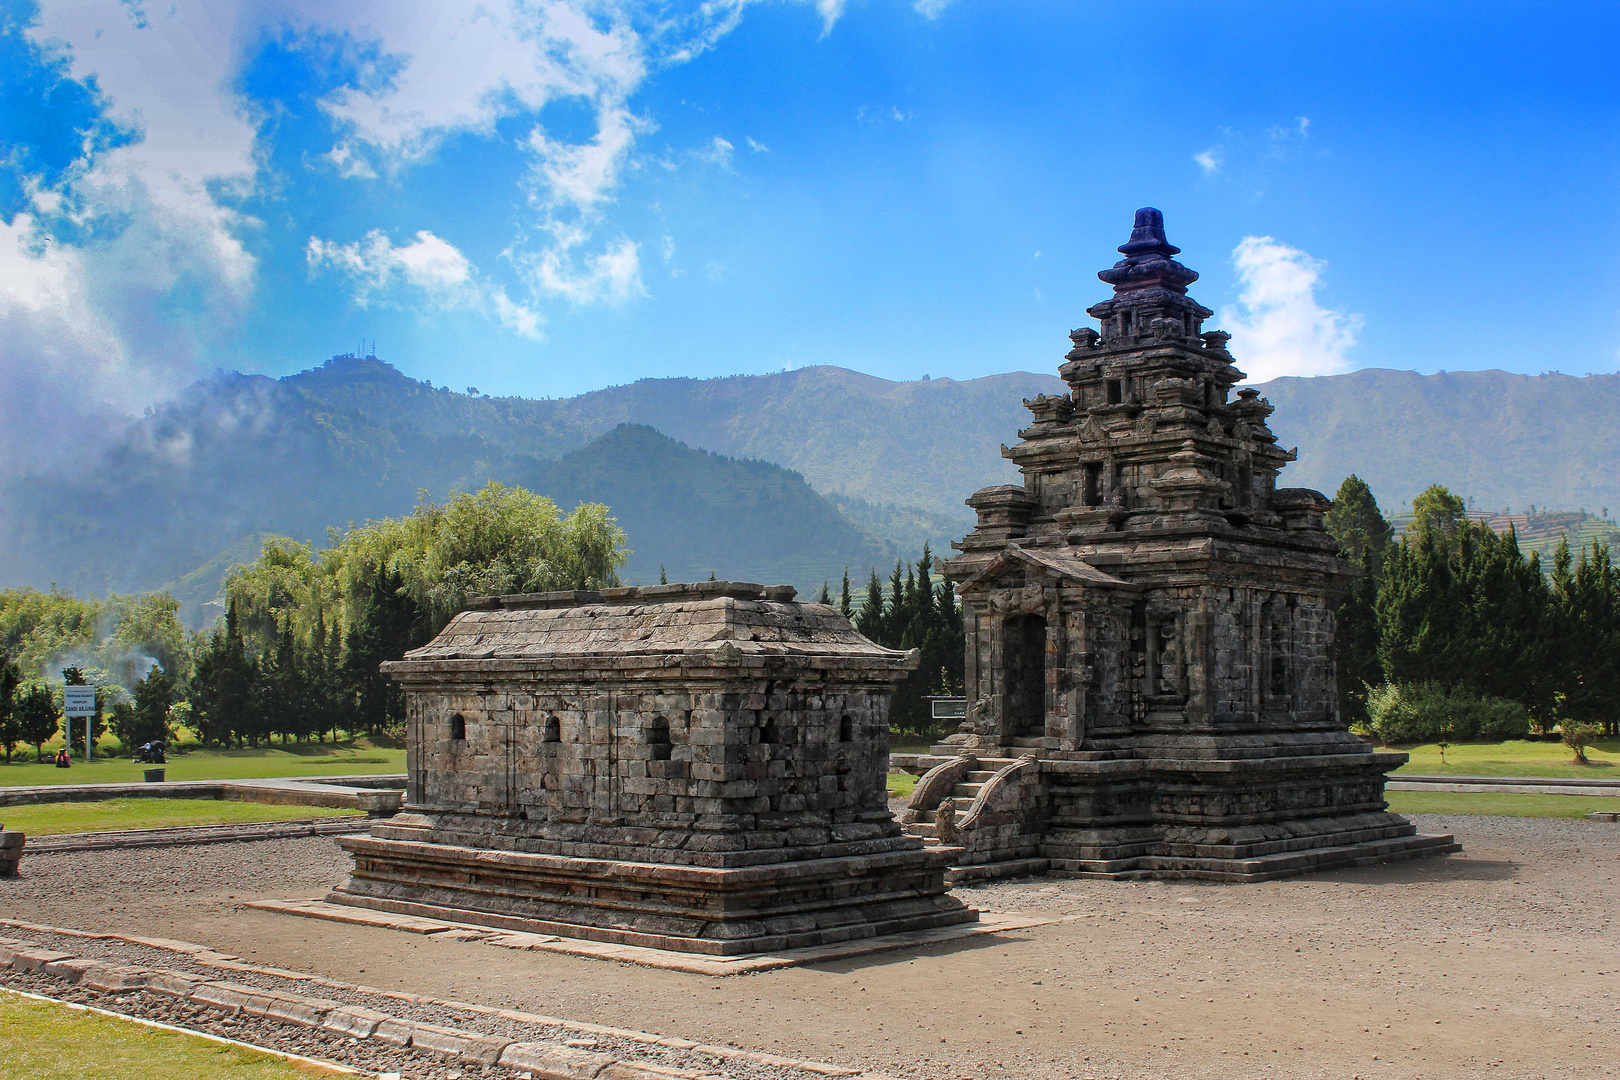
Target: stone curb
544 1060
187 835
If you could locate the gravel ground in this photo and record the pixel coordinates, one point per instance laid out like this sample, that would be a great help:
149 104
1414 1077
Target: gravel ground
1503 961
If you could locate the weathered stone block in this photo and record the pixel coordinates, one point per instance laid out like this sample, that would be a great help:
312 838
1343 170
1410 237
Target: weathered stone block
555 1061
354 1021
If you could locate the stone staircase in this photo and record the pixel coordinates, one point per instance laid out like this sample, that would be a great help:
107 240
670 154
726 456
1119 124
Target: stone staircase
961 797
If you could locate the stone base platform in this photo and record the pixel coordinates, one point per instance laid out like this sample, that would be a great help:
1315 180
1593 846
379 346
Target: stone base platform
1259 868
664 959
707 910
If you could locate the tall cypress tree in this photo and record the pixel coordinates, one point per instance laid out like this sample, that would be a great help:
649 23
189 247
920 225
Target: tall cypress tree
1363 535
390 626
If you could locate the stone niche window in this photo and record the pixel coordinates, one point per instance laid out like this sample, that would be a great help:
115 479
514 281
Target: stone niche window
1116 387
1092 494
458 728
551 730
1278 649
1165 669
846 729
768 731
658 743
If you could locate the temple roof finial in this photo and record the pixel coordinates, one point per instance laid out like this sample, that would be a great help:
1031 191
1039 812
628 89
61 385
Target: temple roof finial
1149 260
1147 236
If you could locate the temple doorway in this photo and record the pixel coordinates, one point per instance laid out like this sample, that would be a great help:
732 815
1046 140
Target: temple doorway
1024 675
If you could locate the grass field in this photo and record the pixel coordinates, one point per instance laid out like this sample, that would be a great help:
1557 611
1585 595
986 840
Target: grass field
901 785
1493 805
47 819
1517 758
320 759
41 1040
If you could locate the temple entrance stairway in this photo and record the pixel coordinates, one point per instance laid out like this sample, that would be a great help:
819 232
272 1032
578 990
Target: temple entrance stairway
993 808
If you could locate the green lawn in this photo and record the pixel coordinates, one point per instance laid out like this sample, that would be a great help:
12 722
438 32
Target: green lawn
1509 805
319 759
901 785
45 819
1513 759
42 1040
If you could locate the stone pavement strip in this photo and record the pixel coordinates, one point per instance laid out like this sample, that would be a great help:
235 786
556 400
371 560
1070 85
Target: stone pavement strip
181 835
669 960
259 996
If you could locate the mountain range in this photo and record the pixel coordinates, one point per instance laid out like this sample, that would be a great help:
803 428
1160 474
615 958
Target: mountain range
789 476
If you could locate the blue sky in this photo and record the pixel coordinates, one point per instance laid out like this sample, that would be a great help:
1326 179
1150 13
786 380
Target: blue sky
542 198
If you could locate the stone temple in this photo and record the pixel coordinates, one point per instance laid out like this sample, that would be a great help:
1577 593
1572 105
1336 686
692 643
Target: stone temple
690 767
1150 623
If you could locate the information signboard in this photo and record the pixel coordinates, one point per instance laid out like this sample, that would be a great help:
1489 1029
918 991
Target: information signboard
79 701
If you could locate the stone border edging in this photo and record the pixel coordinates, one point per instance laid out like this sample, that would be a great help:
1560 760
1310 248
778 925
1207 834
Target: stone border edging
183 835
325 1066
379 794
544 1060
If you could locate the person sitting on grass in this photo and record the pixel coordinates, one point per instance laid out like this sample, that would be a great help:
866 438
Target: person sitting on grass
62 759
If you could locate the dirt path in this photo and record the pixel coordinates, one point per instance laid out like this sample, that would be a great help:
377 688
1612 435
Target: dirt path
1502 962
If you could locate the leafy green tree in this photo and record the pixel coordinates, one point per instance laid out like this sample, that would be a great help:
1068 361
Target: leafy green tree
38 718
844 607
1439 511
11 732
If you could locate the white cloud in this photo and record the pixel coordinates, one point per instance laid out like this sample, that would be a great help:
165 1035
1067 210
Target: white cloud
461 68
930 9
757 147
91 329
1211 160
718 152
431 266
1277 326
613 275
830 11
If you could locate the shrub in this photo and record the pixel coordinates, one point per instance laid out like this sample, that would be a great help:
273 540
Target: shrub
1427 712
1578 735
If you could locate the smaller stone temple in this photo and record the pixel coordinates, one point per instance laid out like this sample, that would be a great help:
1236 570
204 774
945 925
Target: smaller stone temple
1150 626
691 767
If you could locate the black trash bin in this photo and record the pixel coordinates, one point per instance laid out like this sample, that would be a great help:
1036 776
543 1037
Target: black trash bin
154 776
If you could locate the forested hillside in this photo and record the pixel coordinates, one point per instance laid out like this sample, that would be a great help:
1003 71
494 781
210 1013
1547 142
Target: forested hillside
1501 439
693 513
190 489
